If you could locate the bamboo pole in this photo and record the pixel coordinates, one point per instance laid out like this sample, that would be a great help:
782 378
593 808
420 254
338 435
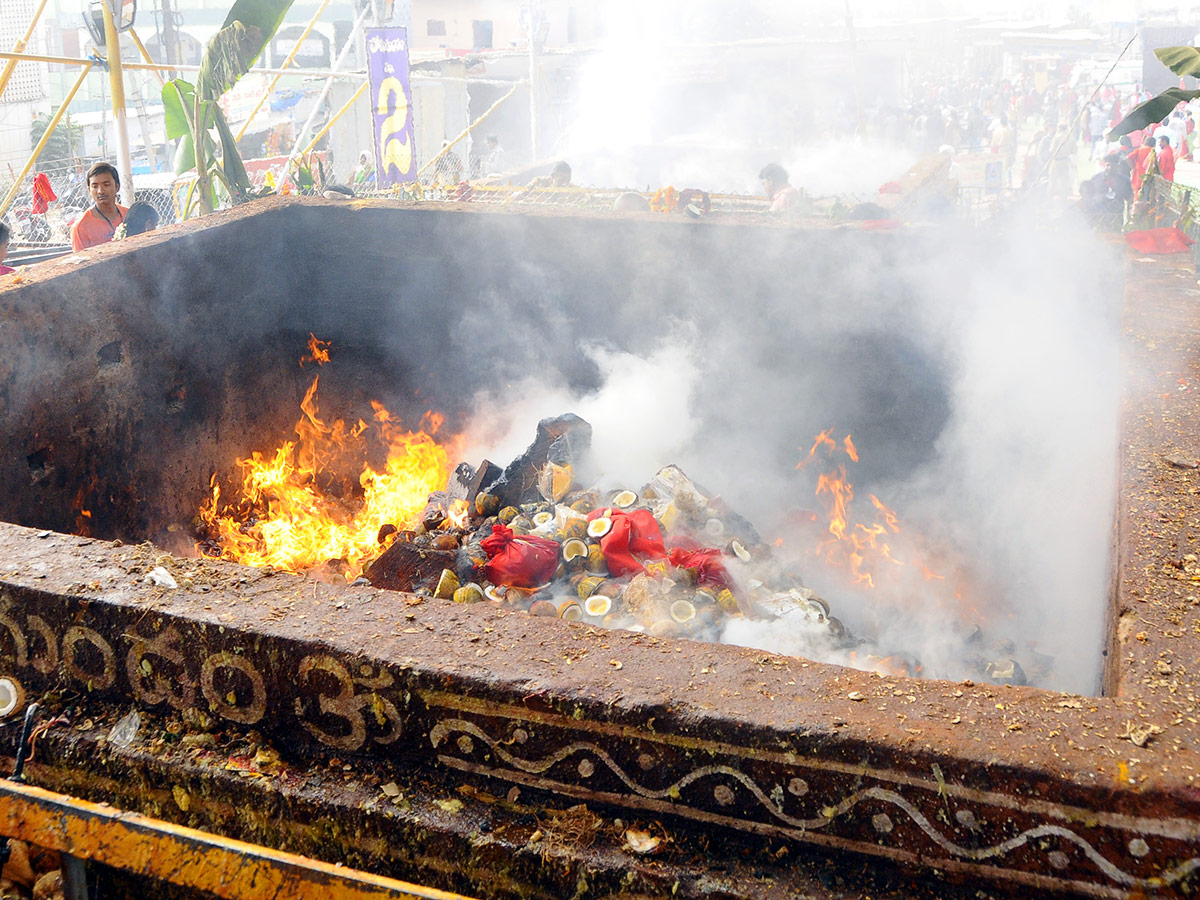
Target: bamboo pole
19 47
491 109
162 67
337 64
324 131
286 64
116 82
54 120
137 42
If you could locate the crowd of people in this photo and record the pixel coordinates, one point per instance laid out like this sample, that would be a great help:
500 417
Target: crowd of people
1127 164
1039 134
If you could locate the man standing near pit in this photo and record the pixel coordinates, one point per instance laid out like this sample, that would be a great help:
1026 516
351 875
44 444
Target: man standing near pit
99 221
785 199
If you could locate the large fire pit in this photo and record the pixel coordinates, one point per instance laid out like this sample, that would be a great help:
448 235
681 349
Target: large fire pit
139 372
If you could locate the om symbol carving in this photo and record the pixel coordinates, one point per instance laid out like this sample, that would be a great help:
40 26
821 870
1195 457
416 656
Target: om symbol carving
78 636
151 682
227 706
344 704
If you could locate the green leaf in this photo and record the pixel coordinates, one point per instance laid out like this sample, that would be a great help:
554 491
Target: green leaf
232 50
227 57
1153 110
1180 60
231 160
185 155
177 97
302 175
265 15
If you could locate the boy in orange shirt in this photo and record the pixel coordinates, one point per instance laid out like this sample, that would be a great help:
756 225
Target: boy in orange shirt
97 224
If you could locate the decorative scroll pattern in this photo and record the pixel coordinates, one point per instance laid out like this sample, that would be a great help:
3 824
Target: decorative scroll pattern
870 810
360 706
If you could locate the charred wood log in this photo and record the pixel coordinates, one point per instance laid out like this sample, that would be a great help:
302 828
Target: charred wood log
407 566
563 440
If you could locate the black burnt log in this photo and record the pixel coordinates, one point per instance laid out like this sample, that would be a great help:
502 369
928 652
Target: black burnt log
563 440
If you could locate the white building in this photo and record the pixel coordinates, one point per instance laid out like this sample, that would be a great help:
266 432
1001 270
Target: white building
27 88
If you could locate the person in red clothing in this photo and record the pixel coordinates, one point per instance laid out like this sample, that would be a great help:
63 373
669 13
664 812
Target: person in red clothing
1140 161
97 224
1166 159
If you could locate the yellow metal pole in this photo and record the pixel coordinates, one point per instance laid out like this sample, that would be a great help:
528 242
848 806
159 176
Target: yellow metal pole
181 67
286 63
198 860
58 114
469 128
362 87
116 80
137 42
12 63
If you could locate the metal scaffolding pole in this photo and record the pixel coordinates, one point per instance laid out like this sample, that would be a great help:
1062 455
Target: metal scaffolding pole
341 112
337 64
116 80
286 64
76 61
51 125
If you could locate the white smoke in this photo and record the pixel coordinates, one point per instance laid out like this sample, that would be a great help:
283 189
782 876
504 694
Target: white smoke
641 416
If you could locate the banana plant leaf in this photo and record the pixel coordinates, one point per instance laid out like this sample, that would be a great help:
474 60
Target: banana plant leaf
1180 60
303 176
178 97
185 155
1153 110
231 160
265 15
232 50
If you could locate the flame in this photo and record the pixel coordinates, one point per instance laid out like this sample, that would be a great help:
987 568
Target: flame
840 492
318 351
859 547
822 440
299 508
862 545
851 451
456 516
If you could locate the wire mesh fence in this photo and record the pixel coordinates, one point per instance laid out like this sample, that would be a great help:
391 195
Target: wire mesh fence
1162 204
41 230
41 221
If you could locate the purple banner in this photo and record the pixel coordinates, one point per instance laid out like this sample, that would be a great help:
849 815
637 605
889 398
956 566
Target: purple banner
391 99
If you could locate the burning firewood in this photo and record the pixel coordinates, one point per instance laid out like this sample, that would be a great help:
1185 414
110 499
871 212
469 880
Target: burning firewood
410 566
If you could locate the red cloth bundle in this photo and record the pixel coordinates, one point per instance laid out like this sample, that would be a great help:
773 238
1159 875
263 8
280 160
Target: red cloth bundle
525 561
43 193
1159 240
705 562
632 532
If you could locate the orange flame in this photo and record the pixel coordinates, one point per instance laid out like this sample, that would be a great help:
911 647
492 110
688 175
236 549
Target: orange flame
863 550
299 508
456 516
822 440
318 351
858 547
